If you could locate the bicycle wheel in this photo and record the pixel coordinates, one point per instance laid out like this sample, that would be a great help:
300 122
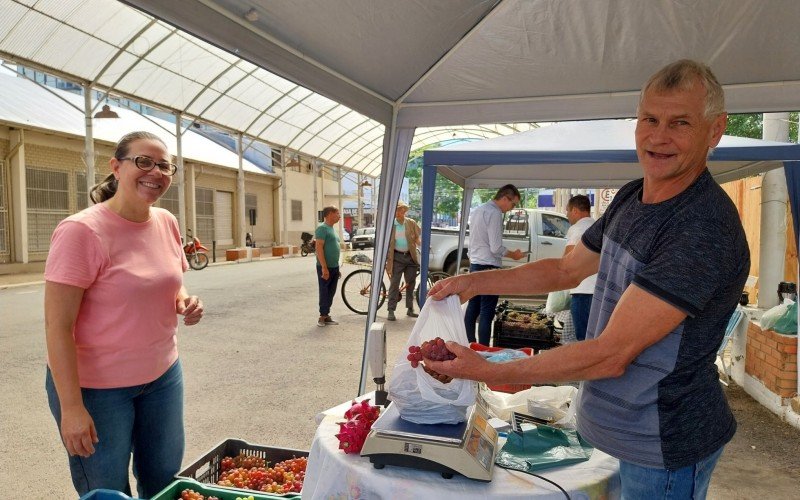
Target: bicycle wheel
433 277
355 291
198 261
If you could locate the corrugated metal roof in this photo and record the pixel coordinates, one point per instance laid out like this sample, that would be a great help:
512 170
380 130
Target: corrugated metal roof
27 104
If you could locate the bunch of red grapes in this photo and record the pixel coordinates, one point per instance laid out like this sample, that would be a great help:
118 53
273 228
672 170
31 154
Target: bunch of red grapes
434 349
250 472
188 494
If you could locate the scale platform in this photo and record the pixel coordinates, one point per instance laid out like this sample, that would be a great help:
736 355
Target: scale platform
468 448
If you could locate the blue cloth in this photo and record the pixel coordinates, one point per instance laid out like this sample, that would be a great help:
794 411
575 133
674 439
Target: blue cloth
640 483
327 289
486 235
480 308
146 420
400 241
689 251
579 306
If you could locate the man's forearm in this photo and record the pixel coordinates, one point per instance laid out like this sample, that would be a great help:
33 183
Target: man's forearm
529 279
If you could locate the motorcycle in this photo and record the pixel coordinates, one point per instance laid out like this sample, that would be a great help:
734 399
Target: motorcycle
196 253
307 246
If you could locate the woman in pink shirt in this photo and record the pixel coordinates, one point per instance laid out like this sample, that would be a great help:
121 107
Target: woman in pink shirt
114 288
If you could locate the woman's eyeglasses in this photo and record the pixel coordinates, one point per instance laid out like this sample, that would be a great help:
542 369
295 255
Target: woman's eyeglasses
147 164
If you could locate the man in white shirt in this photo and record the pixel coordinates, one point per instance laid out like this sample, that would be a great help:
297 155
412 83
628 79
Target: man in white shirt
486 251
578 209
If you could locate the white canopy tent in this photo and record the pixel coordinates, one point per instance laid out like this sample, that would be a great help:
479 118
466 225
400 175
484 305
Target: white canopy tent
418 63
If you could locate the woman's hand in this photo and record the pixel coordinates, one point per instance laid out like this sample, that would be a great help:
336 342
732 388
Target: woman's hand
191 308
77 431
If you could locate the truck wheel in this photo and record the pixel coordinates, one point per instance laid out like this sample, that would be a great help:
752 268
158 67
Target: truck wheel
463 269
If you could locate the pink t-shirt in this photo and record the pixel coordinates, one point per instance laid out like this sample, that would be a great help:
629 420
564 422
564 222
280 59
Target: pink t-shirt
132 272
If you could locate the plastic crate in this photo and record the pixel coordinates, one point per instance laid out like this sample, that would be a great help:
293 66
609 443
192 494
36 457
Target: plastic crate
510 388
105 495
206 469
173 492
503 336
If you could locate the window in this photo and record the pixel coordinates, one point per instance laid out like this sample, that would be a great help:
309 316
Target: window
48 204
169 201
297 210
554 225
204 202
516 223
81 200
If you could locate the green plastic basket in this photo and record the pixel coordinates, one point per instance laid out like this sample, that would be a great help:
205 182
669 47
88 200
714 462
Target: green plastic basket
206 469
173 491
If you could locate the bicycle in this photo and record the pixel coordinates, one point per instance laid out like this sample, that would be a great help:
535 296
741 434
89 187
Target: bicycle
357 285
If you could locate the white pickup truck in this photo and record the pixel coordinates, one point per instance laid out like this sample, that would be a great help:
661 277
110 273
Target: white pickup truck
542 233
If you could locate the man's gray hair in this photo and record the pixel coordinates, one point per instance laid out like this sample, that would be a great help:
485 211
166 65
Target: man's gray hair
681 75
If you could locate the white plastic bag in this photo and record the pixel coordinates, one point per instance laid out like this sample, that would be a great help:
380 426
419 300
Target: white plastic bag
419 397
557 301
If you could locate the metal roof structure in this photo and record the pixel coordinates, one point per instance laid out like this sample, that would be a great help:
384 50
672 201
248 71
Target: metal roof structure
117 49
27 104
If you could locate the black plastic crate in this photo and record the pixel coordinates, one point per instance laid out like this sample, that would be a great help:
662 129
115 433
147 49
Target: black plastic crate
503 335
207 468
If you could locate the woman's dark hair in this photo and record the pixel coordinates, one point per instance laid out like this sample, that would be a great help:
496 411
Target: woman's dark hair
108 186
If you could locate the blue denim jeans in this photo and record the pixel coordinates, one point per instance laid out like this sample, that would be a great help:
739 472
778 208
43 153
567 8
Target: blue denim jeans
579 306
645 483
327 289
143 420
481 308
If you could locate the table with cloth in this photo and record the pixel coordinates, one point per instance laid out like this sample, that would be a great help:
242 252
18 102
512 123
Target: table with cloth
333 474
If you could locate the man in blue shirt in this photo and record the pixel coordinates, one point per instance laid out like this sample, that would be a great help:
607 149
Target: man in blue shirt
671 259
486 251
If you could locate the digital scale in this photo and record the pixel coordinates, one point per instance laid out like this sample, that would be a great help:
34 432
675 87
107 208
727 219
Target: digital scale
468 448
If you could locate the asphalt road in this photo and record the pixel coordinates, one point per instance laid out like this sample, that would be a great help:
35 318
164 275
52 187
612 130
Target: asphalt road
257 368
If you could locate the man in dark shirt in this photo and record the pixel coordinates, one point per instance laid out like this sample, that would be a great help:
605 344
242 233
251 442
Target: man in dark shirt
671 259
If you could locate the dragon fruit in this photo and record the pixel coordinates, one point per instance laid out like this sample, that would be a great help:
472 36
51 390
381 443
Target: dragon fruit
354 431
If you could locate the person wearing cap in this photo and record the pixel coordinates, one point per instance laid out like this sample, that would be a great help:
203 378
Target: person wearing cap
402 261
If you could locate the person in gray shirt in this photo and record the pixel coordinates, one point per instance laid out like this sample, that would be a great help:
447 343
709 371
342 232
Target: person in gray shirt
486 251
671 259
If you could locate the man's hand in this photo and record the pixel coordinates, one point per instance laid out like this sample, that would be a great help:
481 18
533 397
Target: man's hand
516 254
326 274
191 308
454 285
77 431
438 376
467 365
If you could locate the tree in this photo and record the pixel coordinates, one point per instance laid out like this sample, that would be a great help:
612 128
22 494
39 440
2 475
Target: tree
752 125
447 200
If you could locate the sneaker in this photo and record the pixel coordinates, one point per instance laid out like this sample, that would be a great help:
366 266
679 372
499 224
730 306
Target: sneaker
330 321
321 322
391 316
412 314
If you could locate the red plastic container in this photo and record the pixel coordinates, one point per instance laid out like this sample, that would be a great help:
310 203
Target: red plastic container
510 388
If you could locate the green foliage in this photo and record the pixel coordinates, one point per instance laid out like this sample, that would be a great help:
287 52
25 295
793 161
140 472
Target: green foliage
752 125
447 197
